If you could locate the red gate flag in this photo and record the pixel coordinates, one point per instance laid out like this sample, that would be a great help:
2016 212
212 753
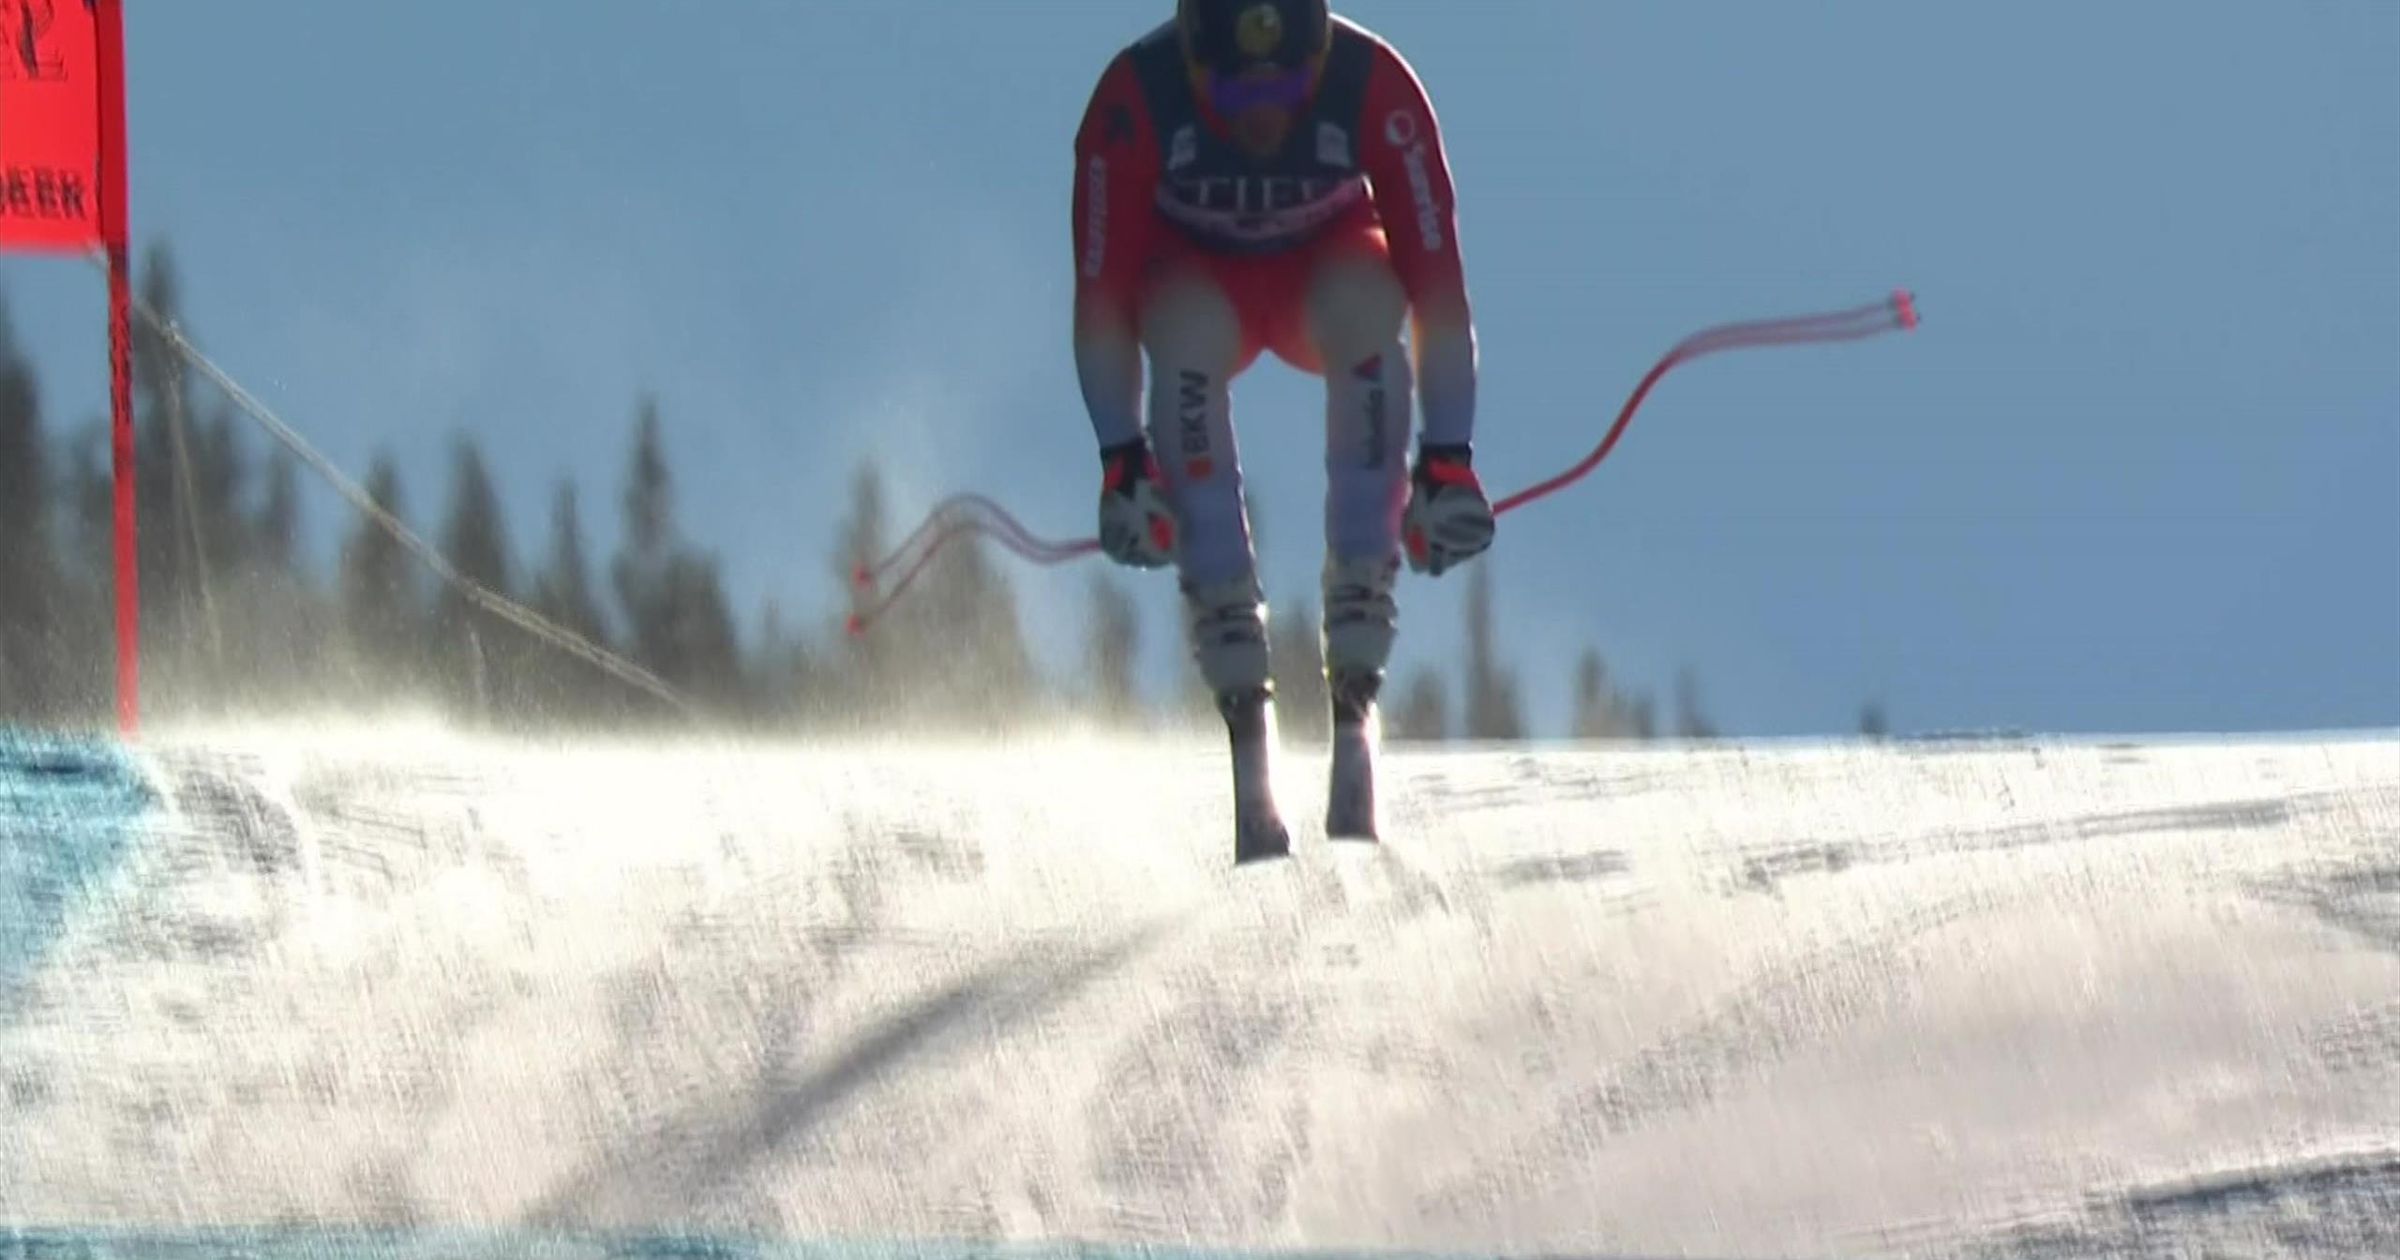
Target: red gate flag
52 101
62 188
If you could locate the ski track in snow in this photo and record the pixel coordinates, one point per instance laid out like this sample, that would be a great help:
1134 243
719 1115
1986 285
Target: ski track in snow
1961 999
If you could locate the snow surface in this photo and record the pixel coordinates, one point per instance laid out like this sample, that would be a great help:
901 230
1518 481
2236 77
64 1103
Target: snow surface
1976 999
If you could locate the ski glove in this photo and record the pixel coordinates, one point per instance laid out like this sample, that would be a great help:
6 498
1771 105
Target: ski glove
1448 520
1137 524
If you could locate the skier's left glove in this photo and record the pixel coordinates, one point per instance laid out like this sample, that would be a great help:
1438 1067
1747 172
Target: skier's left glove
1137 524
1448 521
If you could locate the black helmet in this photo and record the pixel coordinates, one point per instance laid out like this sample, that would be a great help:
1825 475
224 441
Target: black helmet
1227 37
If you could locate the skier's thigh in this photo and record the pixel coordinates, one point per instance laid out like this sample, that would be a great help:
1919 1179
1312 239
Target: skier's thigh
1355 306
1189 322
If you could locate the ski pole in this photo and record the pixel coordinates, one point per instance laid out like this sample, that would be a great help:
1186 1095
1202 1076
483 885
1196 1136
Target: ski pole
1893 314
953 517
884 581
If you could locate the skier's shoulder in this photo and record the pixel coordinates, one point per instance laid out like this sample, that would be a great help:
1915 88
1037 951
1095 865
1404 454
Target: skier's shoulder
1350 28
1157 55
1117 95
1139 85
1159 51
1157 39
1383 55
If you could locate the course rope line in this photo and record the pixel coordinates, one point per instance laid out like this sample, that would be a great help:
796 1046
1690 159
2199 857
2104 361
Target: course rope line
492 601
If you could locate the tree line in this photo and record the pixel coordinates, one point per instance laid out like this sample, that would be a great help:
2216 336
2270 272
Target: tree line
236 622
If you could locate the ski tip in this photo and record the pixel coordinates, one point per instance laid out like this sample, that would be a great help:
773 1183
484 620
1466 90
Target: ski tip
1904 306
856 627
862 578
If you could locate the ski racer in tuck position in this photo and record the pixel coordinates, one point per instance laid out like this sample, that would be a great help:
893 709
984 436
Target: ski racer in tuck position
1260 175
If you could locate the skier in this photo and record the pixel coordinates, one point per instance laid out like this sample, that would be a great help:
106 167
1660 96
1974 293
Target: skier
1260 175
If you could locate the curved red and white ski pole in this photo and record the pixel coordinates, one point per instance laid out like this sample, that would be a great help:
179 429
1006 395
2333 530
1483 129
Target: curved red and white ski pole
1894 314
881 583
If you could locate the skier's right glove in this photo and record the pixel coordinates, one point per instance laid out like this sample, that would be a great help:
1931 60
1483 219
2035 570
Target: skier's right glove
1448 520
1137 524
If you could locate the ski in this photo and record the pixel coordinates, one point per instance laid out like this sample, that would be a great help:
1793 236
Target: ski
1259 833
1350 788
1350 785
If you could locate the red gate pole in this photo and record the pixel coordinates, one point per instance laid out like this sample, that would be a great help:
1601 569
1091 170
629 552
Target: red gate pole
110 20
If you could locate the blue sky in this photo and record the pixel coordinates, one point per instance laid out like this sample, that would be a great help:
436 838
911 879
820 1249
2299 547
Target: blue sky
2139 471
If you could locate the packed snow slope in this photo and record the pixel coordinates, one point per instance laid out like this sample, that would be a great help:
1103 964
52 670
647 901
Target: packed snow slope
319 994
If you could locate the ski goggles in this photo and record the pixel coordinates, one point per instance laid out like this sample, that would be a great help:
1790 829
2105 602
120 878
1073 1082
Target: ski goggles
1277 87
